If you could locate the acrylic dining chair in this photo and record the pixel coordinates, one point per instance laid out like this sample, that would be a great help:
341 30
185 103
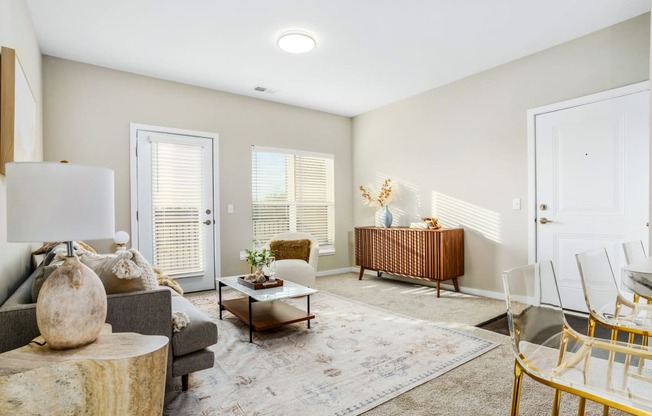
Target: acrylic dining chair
606 304
549 351
635 253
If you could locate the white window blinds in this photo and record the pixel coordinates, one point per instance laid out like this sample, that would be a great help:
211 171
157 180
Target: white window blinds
293 191
176 208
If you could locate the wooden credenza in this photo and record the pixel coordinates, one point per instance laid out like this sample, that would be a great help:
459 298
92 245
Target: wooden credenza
422 254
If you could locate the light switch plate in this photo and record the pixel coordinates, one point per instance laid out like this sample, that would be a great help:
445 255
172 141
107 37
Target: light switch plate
229 209
516 204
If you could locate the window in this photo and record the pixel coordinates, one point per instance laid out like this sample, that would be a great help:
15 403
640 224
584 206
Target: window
177 201
292 191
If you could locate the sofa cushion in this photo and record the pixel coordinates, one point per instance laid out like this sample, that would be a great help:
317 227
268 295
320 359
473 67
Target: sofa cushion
291 249
200 333
189 363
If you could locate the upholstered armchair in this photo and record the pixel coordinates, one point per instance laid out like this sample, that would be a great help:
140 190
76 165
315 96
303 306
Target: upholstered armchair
297 255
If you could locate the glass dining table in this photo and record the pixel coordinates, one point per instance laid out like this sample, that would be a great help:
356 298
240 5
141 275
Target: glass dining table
637 277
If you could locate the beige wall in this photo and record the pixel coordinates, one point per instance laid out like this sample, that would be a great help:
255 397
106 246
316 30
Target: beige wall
459 152
87 114
17 32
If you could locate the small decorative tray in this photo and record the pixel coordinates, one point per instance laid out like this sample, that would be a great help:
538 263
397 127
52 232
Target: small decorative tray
263 285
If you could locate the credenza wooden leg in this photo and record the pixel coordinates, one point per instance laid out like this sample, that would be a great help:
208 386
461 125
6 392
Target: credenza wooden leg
438 282
457 285
361 273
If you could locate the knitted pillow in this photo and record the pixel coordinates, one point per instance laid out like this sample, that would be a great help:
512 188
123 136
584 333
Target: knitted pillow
118 273
291 249
126 271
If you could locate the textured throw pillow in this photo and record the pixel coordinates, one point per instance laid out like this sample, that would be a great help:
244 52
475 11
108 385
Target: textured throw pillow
291 249
79 247
117 272
147 273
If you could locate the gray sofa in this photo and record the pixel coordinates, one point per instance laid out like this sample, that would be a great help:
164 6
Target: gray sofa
144 312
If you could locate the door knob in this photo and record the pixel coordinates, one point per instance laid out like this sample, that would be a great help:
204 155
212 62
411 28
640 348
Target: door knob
544 220
207 222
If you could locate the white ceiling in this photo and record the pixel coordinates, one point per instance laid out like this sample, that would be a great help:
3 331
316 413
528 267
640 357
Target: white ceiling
369 52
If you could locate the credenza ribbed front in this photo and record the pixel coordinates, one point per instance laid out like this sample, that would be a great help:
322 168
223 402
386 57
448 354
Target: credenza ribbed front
423 254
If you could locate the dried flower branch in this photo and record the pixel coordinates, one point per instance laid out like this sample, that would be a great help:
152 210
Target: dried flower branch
383 195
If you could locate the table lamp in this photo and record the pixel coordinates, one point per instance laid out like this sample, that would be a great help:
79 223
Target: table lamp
121 239
63 202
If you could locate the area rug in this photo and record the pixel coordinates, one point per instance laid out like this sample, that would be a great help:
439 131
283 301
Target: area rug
353 358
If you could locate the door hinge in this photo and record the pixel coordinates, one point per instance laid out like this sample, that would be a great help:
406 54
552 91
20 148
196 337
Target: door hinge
136 215
136 150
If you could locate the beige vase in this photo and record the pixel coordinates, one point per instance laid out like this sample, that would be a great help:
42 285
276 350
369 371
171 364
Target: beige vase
71 306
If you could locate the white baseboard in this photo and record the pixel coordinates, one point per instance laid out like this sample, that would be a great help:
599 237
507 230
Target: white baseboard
335 271
468 290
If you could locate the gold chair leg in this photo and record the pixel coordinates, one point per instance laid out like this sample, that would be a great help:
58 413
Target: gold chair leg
556 403
591 329
581 407
516 390
605 410
636 298
641 360
614 337
614 334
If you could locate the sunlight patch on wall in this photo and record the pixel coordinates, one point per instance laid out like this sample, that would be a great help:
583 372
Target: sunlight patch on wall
453 212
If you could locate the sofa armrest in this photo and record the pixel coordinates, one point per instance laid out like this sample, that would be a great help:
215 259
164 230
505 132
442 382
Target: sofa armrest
17 326
144 312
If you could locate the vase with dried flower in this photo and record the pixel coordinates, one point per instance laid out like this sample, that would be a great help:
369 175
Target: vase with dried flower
379 200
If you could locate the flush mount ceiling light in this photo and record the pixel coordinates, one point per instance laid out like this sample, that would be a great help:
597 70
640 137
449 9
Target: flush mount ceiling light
296 42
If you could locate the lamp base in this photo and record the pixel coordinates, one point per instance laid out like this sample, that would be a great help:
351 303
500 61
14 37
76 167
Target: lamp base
71 306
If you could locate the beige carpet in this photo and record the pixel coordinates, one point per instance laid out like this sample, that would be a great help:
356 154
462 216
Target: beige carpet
355 357
481 386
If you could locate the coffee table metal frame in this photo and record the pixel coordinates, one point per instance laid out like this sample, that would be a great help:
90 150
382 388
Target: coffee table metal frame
270 313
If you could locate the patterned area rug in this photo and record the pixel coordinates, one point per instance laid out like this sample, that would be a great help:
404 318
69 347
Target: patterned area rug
354 358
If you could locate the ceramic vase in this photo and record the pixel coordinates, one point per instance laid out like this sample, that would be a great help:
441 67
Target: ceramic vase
71 306
386 217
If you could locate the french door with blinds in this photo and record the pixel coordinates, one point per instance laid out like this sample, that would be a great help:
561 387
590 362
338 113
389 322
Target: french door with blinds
293 191
176 200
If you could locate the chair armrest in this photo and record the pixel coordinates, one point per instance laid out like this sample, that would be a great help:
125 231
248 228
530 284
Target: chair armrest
313 260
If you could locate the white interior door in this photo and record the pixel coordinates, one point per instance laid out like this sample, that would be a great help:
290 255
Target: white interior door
591 185
176 227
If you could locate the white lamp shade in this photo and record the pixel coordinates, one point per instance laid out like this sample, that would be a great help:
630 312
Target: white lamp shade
121 237
59 202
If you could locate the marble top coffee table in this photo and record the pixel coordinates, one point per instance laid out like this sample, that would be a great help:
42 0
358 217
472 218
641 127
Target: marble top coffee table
261 309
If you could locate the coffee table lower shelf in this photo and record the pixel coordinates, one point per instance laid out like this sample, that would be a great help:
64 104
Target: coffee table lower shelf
266 315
